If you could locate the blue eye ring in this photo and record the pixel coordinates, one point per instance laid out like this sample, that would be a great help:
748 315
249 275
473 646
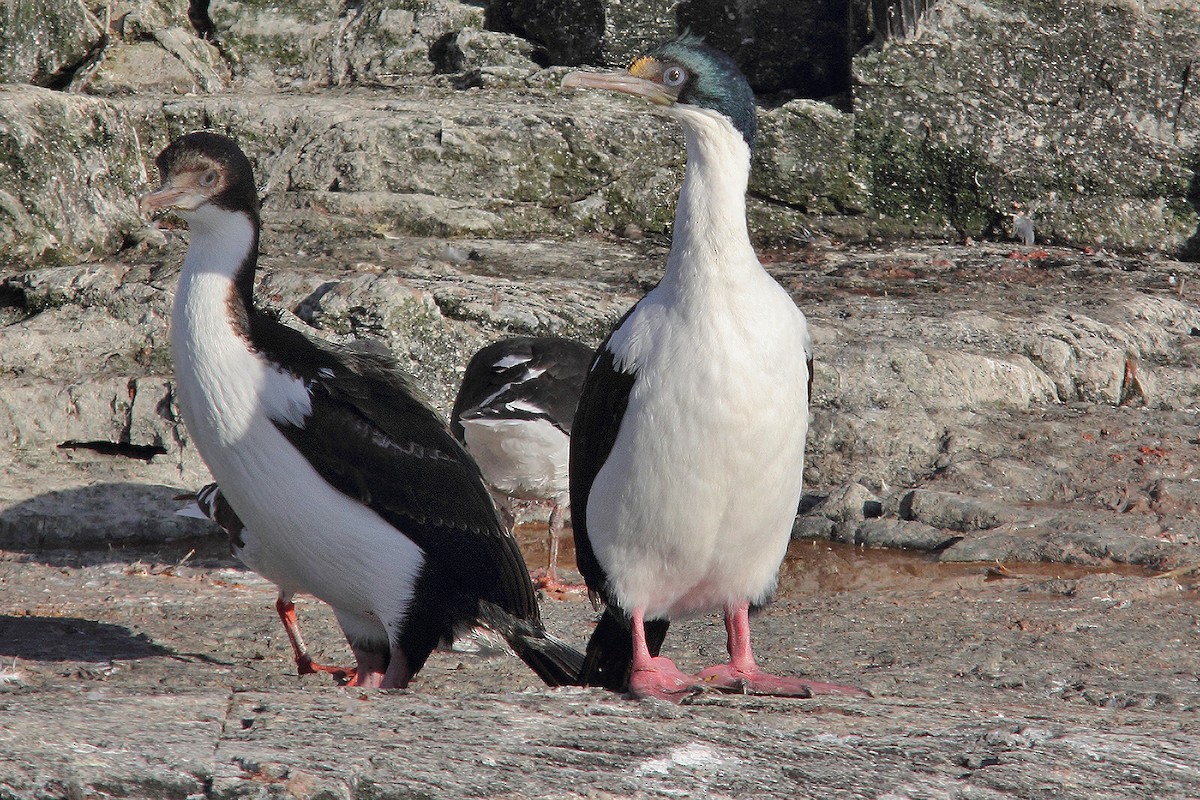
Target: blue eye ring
674 76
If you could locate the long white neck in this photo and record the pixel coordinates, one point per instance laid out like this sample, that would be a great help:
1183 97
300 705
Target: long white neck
710 241
207 300
222 383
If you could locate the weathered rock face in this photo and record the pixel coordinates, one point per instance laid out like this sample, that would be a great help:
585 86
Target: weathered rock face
1080 115
473 136
911 357
42 43
69 168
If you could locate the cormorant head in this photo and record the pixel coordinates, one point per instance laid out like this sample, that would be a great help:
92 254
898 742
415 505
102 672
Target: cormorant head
683 71
203 169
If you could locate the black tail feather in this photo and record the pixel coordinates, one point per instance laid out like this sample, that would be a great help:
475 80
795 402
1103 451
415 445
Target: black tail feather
610 650
553 660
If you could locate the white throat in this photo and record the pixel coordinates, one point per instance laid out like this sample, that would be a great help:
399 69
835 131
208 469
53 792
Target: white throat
710 219
221 382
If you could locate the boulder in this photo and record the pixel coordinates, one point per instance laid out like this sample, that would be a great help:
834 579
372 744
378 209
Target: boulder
1076 115
70 171
44 41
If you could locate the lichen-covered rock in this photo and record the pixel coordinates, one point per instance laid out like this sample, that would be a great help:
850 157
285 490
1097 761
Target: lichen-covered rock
1078 113
803 157
153 50
43 41
510 163
70 170
326 42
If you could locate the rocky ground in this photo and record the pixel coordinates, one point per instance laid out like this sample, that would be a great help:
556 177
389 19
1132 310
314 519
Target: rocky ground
133 672
983 405
999 538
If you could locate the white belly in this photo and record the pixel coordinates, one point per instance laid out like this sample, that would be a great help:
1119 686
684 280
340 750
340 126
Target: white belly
525 459
301 533
693 508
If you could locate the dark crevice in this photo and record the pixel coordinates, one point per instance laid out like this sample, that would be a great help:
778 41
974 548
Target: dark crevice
141 452
785 50
61 80
201 21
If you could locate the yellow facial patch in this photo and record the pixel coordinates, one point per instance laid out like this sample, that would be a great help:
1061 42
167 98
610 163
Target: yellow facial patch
646 67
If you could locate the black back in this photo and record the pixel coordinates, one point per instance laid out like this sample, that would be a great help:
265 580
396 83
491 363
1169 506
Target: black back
523 377
375 437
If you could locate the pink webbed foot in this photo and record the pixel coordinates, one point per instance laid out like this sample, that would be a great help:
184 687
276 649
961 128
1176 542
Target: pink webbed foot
742 674
729 678
656 676
661 679
547 581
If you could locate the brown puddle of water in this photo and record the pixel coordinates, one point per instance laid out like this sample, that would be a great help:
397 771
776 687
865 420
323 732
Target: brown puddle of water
819 567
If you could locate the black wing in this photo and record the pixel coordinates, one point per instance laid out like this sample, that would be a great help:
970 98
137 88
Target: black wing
597 422
374 436
523 378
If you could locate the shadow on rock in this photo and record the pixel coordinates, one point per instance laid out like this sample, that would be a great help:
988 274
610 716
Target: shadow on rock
31 638
104 514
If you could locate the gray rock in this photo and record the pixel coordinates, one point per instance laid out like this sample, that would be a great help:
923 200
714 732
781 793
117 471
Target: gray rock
901 534
806 527
99 514
803 157
69 171
1082 544
471 49
43 41
849 502
1005 101
1175 497
154 53
325 42
951 511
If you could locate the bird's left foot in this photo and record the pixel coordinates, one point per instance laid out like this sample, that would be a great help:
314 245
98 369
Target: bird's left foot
661 679
306 666
548 583
729 678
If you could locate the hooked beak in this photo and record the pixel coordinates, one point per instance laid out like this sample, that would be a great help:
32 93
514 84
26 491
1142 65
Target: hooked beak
621 81
169 196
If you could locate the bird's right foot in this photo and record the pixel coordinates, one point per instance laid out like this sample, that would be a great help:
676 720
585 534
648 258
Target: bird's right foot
343 675
660 678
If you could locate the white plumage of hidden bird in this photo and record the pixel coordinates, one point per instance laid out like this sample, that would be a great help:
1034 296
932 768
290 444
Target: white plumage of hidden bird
513 413
687 449
349 485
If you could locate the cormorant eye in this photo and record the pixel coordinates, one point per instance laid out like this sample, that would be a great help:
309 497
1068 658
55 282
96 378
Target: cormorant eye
209 178
674 76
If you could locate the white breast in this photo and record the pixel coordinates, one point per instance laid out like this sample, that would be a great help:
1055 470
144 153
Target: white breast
522 458
693 508
301 533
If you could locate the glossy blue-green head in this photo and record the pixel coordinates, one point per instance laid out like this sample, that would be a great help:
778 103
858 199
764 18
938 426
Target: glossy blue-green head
707 78
683 71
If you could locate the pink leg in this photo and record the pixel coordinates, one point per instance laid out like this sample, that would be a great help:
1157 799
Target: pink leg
547 580
398 674
369 669
291 626
656 676
742 674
